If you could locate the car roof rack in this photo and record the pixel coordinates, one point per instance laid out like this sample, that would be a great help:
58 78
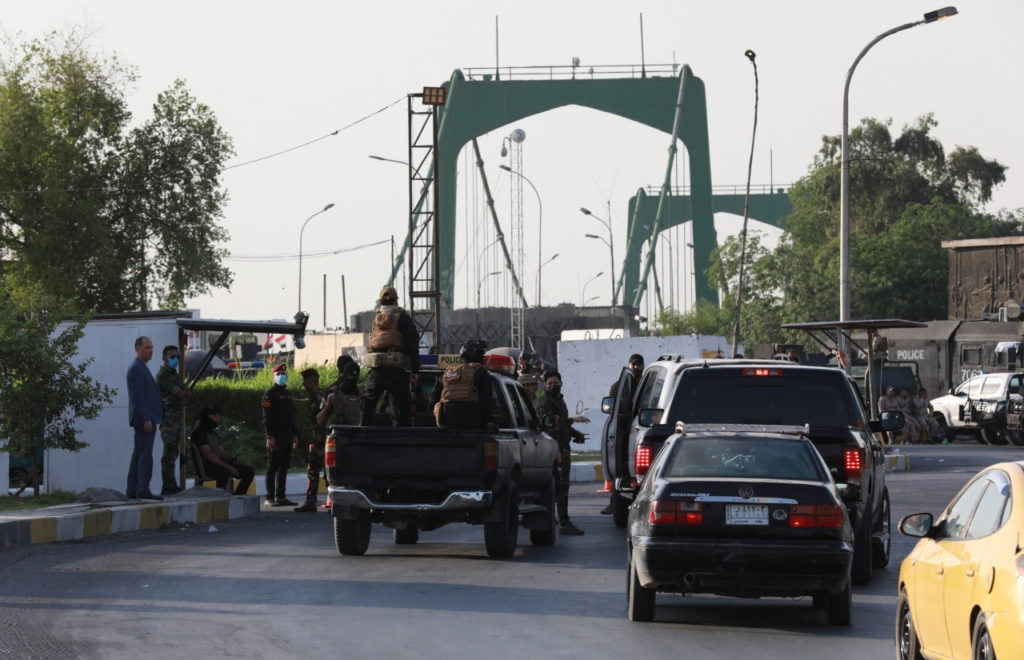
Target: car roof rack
787 429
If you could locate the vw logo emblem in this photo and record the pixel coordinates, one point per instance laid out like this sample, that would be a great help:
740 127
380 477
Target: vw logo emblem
746 491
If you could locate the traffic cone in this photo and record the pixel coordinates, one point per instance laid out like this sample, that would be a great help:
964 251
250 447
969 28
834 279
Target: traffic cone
607 487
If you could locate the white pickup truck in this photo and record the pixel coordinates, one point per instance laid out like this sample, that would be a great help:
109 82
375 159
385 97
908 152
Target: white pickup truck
979 406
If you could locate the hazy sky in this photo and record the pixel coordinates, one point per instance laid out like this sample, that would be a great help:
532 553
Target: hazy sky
278 75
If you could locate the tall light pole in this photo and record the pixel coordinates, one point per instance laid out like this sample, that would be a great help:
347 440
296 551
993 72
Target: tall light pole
540 220
610 242
583 295
301 231
481 283
542 264
844 193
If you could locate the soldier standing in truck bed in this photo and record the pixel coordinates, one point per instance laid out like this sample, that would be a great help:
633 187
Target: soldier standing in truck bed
462 398
394 360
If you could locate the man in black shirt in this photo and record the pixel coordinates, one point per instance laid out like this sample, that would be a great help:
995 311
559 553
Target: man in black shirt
217 463
279 423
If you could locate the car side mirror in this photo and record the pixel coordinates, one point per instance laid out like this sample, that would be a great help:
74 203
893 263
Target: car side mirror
649 416
549 422
892 420
607 404
916 525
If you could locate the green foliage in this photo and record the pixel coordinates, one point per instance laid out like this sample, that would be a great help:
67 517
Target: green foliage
43 391
102 216
706 319
241 431
906 197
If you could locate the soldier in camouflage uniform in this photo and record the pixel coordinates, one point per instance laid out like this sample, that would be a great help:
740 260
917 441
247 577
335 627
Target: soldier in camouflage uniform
315 462
551 408
393 360
173 393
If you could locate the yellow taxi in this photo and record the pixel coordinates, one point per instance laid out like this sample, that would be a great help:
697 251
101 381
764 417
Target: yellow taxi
961 589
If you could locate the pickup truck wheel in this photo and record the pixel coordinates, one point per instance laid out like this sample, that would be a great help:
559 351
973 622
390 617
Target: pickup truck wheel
502 536
838 607
620 510
352 536
641 599
881 542
994 437
547 537
407 536
862 555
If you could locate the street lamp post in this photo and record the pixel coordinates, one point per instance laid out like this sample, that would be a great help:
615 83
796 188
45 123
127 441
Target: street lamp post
844 194
540 220
481 283
301 231
583 295
545 263
610 242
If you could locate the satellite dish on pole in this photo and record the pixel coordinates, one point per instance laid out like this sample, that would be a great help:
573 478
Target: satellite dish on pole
518 135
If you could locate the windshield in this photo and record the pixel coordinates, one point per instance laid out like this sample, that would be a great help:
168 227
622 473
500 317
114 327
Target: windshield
780 396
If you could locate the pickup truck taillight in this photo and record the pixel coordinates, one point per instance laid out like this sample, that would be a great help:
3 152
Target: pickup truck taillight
853 465
816 515
669 512
331 453
491 455
643 459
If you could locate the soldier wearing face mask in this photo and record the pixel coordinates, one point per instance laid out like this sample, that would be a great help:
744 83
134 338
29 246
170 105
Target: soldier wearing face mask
552 409
173 394
279 423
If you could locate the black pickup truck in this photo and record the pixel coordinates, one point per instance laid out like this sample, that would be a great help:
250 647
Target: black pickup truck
779 393
417 479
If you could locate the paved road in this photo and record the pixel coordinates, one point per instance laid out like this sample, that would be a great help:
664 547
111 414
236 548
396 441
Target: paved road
275 586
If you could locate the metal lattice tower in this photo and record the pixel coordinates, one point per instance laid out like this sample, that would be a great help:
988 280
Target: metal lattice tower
424 293
516 163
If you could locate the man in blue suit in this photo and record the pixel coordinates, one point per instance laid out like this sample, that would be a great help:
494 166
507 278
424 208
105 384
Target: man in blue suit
145 412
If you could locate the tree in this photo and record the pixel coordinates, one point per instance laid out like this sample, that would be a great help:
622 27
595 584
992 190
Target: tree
907 196
95 214
43 391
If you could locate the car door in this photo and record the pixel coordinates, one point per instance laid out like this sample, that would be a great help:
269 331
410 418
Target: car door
930 559
960 417
966 563
615 448
534 475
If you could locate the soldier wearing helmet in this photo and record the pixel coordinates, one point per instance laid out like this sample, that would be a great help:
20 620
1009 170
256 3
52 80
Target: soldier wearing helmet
462 399
394 360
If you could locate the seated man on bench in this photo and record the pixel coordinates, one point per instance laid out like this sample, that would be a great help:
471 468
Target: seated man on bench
217 463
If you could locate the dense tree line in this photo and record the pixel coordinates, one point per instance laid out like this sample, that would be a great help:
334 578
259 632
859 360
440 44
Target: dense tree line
907 196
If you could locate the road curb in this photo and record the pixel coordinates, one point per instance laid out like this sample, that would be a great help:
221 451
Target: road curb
78 521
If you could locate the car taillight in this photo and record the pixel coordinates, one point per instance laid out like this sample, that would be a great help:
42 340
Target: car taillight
331 453
853 462
643 459
491 455
664 512
815 516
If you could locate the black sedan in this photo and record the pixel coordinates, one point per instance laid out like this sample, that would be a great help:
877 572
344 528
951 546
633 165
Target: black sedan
740 511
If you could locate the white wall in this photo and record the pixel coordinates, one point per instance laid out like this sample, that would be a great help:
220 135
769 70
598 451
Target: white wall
104 463
589 367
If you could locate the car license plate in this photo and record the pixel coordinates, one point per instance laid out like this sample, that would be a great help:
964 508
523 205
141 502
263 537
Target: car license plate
746 514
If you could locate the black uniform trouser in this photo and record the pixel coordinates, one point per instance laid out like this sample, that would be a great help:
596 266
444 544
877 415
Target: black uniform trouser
394 381
278 460
223 476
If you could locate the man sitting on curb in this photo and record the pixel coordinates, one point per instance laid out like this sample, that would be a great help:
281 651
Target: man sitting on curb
217 463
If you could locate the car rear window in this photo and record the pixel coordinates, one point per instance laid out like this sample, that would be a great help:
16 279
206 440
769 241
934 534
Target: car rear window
764 396
746 457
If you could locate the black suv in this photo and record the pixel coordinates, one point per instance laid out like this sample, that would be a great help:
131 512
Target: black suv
781 393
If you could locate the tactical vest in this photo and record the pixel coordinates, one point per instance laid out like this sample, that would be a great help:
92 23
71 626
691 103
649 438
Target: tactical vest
458 384
347 408
384 334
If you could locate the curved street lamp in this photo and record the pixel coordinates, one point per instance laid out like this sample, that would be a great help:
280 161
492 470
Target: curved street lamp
481 283
301 231
610 243
844 194
584 294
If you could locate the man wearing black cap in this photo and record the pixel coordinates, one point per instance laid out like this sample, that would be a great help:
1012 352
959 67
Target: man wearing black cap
315 463
636 368
279 423
394 349
217 463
